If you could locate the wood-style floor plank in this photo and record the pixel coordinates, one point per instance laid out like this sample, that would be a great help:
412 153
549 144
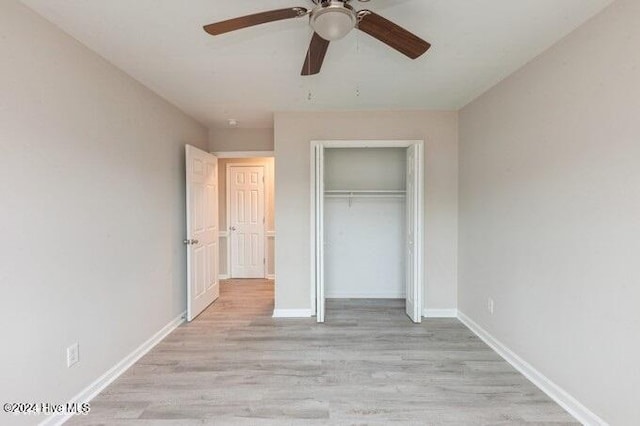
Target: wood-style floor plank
368 365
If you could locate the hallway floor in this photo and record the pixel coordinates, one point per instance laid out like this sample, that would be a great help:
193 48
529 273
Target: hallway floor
368 365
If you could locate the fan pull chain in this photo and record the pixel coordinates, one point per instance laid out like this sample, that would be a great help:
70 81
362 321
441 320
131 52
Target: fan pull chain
309 94
358 64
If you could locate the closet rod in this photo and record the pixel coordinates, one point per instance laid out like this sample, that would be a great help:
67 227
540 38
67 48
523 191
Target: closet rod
365 191
351 195
364 196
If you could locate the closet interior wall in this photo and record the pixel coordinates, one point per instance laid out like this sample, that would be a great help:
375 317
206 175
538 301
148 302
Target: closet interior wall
364 222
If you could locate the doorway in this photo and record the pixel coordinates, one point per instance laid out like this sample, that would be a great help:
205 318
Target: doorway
246 199
367 217
227 224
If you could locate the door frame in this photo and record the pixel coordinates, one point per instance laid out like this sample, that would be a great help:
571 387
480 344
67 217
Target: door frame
419 199
227 234
268 234
244 154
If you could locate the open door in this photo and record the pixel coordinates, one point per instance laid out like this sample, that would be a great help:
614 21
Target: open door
319 231
414 234
202 231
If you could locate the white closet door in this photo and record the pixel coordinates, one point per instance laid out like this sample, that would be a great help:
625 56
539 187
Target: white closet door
202 230
319 231
413 240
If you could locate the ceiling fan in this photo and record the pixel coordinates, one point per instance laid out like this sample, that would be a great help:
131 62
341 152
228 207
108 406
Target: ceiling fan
331 20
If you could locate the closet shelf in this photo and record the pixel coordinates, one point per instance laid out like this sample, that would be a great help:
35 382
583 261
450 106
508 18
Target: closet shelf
365 193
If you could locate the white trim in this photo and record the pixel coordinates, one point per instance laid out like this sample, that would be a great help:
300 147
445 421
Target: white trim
419 200
223 277
245 154
367 143
312 226
555 392
440 313
420 228
292 313
270 234
91 391
318 215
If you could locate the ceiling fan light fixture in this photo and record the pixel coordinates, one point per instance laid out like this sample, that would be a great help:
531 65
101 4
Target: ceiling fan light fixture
334 20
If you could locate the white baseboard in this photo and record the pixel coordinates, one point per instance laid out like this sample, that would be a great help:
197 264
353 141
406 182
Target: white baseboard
292 313
227 277
107 378
440 313
555 392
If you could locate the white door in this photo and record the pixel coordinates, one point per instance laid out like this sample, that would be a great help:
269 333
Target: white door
413 235
202 230
319 232
246 221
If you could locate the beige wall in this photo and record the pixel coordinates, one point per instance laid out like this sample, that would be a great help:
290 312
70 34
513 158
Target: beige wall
91 211
229 140
268 164
550 213
293 133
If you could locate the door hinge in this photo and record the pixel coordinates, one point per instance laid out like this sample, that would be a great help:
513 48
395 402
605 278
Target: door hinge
264 261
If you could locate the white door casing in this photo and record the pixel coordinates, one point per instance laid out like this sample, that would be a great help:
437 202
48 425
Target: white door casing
202 230
415 221
319 232
246 221
413 284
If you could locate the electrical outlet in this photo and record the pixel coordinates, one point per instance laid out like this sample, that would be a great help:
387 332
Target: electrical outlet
73 354
490 305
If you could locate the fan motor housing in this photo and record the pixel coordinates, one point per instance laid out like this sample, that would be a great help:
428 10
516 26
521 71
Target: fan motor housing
333 20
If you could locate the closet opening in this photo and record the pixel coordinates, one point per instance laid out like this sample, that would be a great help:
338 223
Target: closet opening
367 226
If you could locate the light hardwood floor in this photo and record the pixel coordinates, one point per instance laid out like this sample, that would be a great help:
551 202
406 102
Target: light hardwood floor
368 365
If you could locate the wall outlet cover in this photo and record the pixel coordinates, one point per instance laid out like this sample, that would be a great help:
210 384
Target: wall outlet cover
73 354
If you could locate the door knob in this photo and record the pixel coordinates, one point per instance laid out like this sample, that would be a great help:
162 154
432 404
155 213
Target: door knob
233 228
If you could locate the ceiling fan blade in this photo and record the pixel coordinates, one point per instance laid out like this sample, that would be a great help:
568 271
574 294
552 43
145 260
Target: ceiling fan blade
315 55
391 34
255 19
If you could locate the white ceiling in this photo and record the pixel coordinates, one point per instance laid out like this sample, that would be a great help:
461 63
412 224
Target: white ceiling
251 73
